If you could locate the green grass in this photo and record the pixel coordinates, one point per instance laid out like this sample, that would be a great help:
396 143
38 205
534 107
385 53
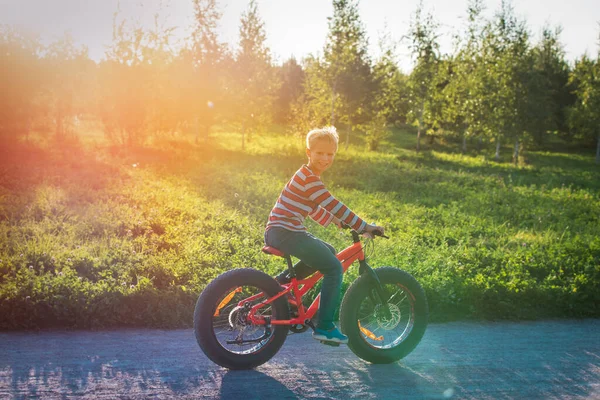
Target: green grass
94 235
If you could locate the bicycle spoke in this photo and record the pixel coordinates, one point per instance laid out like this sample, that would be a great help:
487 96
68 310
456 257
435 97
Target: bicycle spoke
402 300
394 295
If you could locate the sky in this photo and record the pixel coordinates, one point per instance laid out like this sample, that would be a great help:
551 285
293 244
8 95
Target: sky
295 27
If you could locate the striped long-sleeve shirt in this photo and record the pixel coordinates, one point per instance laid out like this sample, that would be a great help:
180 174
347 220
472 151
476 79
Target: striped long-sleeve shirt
305 195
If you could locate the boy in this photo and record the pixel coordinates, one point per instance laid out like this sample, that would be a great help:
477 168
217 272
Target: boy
305 195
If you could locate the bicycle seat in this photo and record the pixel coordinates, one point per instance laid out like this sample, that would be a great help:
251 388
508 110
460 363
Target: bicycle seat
273 251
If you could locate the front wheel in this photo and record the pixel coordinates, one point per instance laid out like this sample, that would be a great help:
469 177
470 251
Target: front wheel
377 336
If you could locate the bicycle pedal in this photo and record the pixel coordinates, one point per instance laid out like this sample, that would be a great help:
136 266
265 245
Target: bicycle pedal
332 344
310 324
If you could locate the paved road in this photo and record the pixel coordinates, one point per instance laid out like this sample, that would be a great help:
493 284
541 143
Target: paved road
527 360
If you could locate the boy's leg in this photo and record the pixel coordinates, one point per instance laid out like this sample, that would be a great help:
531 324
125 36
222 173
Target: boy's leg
301 269
319 255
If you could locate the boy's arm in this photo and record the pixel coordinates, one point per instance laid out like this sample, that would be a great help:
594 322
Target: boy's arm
321 216
319 194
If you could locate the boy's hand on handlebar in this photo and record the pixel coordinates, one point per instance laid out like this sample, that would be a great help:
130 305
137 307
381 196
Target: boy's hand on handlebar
373 230
370 231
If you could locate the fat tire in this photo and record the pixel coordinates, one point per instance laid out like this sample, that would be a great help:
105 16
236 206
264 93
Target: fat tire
349 316
207 304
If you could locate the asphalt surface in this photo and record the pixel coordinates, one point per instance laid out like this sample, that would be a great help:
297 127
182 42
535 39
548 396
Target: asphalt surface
526 360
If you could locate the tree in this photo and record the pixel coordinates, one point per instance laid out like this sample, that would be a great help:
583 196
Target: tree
346 68
484 87
514 70
389 101
313 107
390 94
460 114
437 107
69 74
291 76
254 82
202 77
550 90
376 131
137 87
163 109
425 50
584 115
20 82
125 85
502 79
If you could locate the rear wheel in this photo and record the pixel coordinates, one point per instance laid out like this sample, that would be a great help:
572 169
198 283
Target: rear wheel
377 336
222 328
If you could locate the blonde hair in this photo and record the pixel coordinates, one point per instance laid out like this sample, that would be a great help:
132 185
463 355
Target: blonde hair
326 132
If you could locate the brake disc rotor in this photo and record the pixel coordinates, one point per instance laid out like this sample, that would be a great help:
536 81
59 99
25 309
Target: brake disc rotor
392 321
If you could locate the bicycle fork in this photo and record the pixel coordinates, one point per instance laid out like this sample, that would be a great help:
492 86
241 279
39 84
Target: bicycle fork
382 295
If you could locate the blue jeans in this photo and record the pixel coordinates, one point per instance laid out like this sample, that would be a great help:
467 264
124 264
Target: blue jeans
314 254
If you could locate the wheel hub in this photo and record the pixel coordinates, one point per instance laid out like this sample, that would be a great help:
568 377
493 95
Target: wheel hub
238 320
390 322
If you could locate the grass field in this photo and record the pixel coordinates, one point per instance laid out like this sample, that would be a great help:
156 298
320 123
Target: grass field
94 235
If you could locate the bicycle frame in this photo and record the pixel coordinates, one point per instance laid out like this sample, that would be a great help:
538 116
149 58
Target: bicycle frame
300 287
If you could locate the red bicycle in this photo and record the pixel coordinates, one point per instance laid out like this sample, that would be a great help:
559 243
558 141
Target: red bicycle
243 317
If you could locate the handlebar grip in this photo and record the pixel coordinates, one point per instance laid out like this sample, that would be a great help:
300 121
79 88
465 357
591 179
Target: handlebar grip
377 233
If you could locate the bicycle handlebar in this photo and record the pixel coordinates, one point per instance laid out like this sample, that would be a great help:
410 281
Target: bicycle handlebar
376 233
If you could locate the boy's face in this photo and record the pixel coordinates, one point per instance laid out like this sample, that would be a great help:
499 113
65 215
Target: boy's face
321 155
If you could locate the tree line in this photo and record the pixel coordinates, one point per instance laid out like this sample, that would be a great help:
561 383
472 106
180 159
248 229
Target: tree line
496 86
